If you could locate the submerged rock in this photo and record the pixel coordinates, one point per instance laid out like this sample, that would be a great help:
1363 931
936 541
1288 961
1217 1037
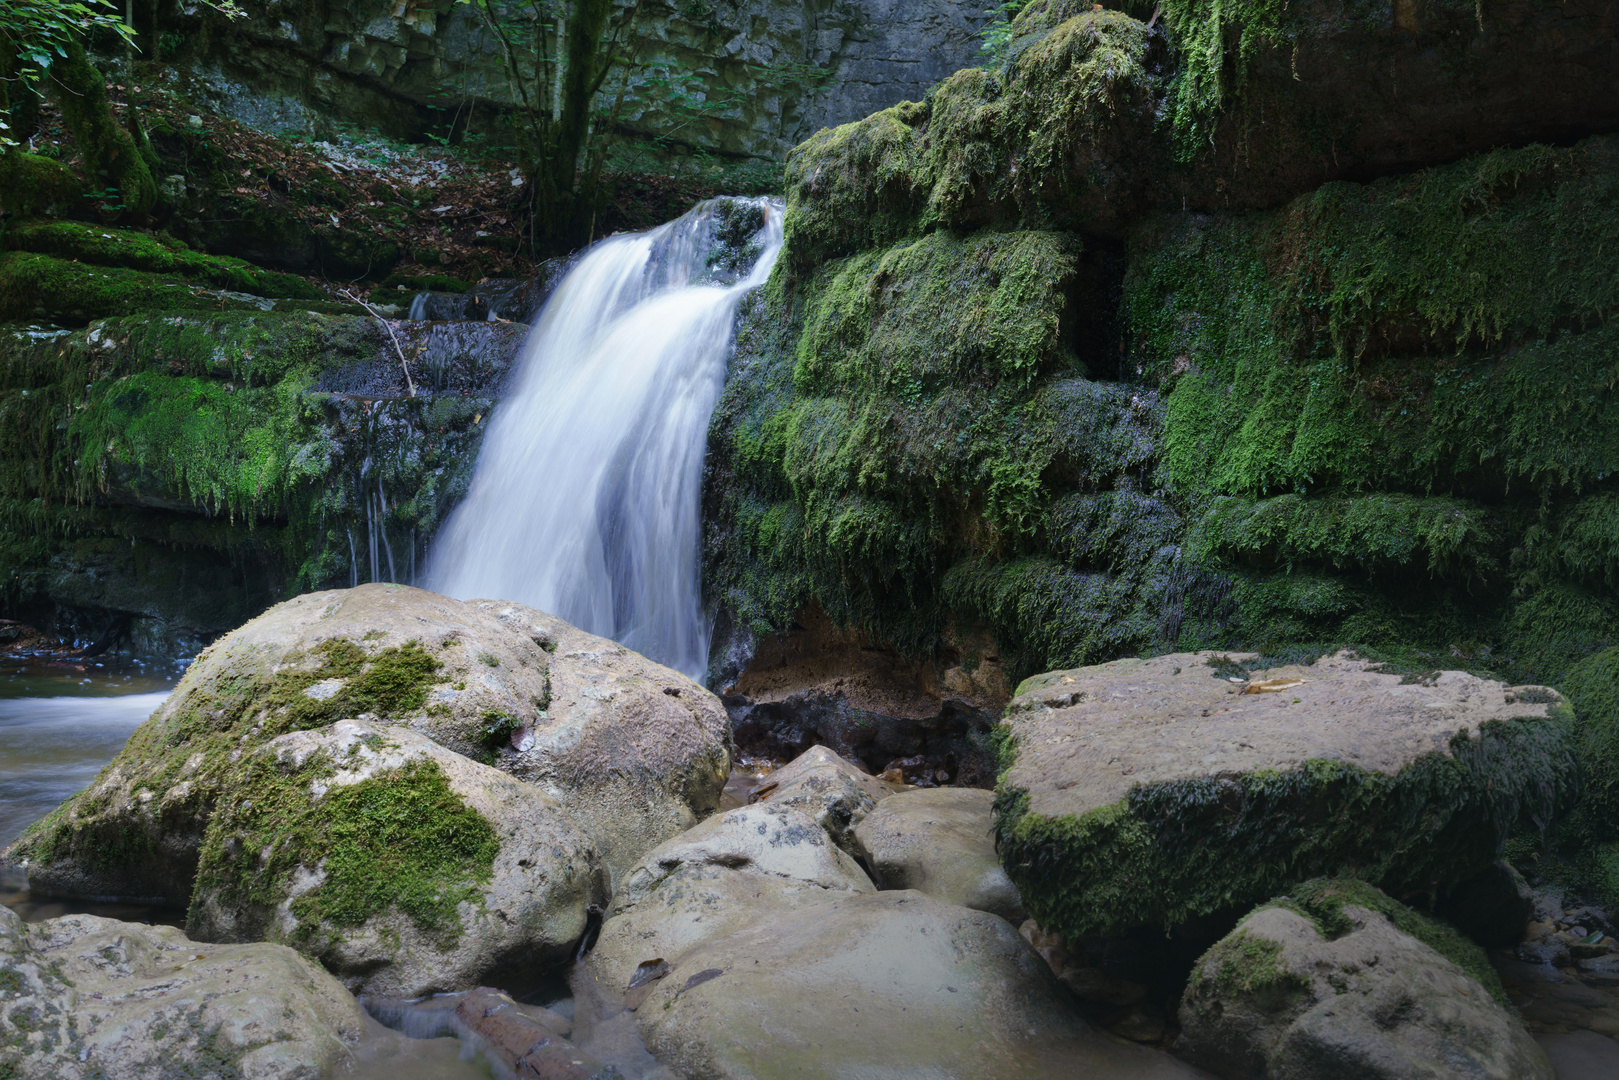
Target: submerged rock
940 842
638 752
881 984
403 867
733 870
1336 982
827 788
83 998
1156 791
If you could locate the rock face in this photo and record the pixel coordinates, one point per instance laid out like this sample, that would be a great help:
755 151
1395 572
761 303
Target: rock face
776 71
864 700
940 842
883 984
83 997
1134 785
1332 987
637 751
1492 907
406 869
831 791
735 869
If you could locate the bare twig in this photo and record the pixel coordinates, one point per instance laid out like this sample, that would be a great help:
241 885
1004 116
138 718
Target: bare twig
389 326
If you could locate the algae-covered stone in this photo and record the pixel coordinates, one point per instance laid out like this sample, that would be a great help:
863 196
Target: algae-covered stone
1337 980
638 751
827 788
87 998
403 867
940 841
1155 791
735 869
880 984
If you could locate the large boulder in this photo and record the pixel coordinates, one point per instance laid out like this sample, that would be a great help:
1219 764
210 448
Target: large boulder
1153 792
757 862
827 788
640 751
879 984
940 841
1338 980
403 867
84 998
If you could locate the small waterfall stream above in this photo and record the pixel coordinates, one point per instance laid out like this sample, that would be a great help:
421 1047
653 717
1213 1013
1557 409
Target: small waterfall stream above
585 500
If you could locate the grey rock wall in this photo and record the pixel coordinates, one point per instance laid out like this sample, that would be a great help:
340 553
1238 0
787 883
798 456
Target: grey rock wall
760 75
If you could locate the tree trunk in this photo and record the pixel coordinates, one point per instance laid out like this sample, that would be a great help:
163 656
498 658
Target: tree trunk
585 25
108 149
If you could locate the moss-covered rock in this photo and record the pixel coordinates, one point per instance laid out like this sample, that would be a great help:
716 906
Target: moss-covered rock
32 184
36 286
271 452
106 246
1155 792
636 751
1336 978
405 868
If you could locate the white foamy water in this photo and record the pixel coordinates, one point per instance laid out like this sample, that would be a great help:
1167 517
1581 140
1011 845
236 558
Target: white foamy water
585 499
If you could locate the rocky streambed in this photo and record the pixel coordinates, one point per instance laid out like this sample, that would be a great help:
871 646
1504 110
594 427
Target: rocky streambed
412 833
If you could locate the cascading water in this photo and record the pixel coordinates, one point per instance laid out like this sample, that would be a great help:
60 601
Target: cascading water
585 498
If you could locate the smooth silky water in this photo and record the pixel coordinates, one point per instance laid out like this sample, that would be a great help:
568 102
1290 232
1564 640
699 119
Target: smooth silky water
585 501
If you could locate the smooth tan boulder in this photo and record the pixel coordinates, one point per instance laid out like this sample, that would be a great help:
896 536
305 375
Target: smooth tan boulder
86 998
889 984
836 793
1306 990
638 751
940 841
756 862
406 869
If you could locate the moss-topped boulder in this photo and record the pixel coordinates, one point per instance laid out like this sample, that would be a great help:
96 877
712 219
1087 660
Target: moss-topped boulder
1152 792
638 751
107 246
1337 979
405 868
88 998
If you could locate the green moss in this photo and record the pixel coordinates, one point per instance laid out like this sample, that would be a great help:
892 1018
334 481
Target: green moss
199 738
1170 853
108 150
31 184
401 839
433 282
34 285
107 246
1592 686
1242 964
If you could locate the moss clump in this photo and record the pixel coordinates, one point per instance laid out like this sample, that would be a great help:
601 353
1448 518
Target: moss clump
1322 900
1243 964
431 282
399 840
138 251
1171 853
1048 140
31 184
109 151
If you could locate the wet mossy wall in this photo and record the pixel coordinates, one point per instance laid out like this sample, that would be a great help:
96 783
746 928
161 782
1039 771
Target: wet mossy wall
1382 414
181 472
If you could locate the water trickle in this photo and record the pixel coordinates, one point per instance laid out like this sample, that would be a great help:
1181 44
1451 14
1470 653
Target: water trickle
585 499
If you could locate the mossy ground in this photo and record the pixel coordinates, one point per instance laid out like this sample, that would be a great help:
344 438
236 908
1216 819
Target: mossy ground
400 840
1172 853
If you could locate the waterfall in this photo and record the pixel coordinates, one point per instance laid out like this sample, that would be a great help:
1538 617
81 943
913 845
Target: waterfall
585 501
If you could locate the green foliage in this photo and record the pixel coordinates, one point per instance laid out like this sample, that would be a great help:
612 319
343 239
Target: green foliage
1592 685
401 839
1218 41
34 34
1172 852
